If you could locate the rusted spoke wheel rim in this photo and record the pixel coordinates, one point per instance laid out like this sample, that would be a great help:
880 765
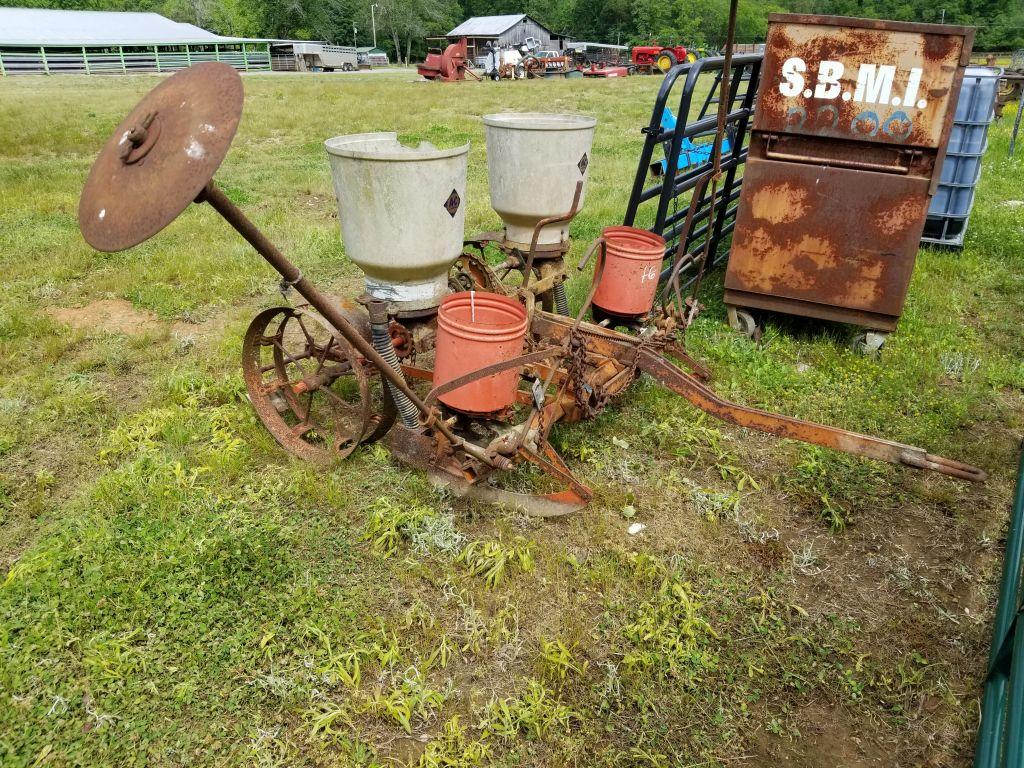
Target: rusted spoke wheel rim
309 386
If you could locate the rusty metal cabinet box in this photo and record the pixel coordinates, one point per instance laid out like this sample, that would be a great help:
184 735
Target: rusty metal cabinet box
852 120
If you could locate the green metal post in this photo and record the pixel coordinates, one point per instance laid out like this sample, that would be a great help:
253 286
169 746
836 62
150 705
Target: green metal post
245 57
188 55
85 59
1014 756
156 53
3 72
46 65
1009 593
124 69
216 51
1003 702
990 733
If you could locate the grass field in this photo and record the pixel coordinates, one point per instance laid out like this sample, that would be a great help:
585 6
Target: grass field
177 591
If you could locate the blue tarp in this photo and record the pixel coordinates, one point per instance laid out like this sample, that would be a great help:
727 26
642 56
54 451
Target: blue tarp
690 154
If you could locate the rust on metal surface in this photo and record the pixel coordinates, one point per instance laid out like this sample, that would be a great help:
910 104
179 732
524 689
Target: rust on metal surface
317 382
851 125
797 429
799 237
630 350
878 82
419 450
161 156
294 365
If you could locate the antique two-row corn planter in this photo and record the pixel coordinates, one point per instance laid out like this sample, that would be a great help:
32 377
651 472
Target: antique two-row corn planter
461 370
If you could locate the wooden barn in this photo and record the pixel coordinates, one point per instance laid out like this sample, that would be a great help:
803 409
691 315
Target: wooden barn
510 30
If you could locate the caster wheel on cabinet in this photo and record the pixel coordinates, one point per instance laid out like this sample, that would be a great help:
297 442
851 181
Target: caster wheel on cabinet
743 321
868 342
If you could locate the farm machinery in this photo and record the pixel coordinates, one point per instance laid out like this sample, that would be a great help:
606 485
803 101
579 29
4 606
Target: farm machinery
448 65
461 353
647 58
511 62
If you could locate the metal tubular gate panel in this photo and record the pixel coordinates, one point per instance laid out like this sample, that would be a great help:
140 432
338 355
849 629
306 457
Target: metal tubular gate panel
670 192
1001 734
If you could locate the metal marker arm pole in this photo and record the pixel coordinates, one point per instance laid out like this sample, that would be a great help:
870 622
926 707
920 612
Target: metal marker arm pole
689 388
293 276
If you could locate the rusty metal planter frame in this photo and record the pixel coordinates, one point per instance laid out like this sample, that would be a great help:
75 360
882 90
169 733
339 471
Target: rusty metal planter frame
743 91
586 364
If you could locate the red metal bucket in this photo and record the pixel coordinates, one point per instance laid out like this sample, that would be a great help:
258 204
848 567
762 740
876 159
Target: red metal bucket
474 330
632 264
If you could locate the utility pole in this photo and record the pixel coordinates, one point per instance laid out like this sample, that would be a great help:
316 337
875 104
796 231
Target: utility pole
943 21
354 31
373 22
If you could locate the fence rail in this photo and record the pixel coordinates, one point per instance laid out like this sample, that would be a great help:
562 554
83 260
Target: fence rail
123 60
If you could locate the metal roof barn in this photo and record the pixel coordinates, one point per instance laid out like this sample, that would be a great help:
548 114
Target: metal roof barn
486 26
505 31
49 41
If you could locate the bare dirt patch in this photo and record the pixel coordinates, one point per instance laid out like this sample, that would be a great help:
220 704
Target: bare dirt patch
830 739
108 316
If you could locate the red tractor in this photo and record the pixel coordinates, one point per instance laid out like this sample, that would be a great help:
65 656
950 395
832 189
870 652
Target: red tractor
645 58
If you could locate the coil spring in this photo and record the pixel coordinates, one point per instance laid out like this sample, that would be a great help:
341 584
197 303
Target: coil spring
561 300
381 339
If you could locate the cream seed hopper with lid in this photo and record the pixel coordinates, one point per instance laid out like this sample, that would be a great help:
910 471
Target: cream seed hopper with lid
534 162
537 170
461 373
402 214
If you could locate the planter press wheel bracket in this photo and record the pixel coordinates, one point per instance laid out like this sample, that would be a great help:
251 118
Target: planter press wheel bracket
309 386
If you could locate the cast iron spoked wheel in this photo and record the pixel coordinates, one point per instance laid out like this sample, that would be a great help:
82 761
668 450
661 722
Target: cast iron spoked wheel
308 385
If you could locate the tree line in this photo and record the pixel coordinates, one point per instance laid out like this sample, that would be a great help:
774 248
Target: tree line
402 26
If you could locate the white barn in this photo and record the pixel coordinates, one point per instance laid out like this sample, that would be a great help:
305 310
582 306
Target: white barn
50 41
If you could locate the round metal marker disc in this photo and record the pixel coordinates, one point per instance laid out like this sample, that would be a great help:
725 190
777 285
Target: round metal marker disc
161 156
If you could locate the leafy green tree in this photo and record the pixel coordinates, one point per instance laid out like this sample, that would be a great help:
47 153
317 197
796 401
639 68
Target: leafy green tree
402 25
